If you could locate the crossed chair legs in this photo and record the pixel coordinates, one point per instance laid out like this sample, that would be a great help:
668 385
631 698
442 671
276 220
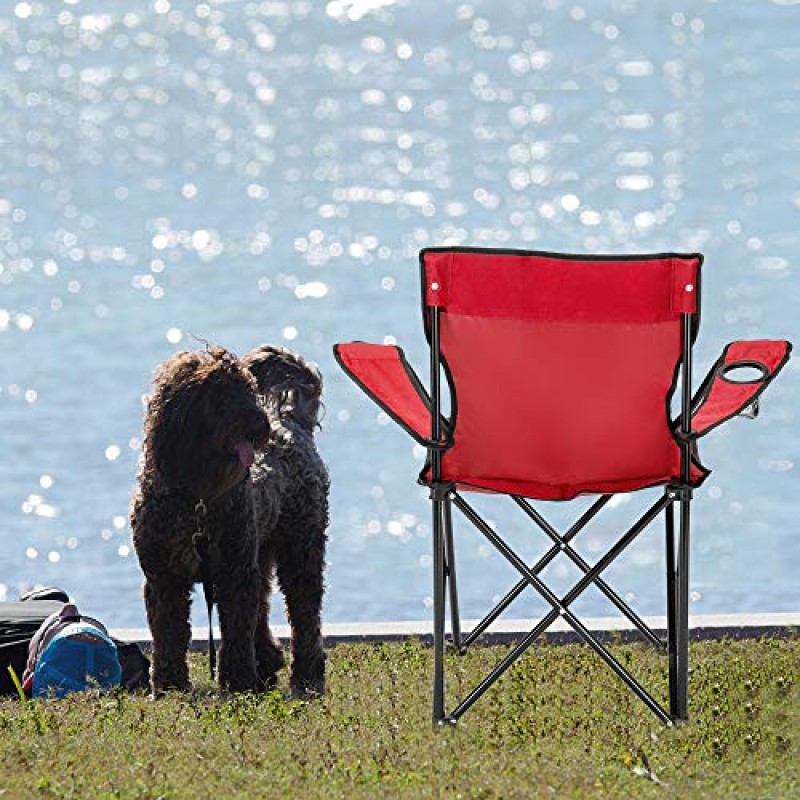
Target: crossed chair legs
444 497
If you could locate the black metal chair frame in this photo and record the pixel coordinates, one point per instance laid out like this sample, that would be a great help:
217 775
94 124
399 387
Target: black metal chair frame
444 496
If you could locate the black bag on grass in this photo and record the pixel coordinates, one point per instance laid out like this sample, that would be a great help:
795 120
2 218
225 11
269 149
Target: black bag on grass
18 624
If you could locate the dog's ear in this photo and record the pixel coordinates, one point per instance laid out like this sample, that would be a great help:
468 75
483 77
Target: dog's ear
305 402
165 436
288 382
172 416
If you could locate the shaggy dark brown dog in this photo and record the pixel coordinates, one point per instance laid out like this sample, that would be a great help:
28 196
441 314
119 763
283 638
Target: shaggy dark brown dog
238 435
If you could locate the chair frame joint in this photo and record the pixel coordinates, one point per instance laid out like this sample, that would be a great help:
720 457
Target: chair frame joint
440 491
677 492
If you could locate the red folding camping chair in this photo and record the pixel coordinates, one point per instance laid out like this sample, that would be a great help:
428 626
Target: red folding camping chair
561 371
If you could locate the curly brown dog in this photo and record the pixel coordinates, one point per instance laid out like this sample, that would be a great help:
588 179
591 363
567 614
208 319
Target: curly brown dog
238 435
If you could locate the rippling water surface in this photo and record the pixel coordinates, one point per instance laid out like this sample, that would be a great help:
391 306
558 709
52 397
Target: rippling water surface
250 172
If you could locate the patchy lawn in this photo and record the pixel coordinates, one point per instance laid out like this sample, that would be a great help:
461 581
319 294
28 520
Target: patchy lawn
558 724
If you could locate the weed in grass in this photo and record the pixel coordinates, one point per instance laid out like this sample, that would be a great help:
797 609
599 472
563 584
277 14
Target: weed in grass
35 715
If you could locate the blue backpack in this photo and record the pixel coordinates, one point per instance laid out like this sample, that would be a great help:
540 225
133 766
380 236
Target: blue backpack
70 653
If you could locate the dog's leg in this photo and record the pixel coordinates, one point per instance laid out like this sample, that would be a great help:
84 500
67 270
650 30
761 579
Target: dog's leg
237 606
269 655
300 563
236 585
168 601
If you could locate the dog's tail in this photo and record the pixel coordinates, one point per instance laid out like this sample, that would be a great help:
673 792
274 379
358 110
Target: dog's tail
286 381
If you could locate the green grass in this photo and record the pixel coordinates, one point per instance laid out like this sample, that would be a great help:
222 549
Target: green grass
558 724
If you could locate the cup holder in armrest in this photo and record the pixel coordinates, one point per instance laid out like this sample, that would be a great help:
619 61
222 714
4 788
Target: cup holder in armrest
743 372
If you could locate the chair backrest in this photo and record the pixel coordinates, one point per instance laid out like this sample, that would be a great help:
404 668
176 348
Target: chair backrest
562 367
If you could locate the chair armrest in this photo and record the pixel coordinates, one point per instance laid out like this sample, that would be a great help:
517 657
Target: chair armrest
382 372
721 397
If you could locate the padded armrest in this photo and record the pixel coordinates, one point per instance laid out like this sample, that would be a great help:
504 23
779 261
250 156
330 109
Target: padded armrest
382 372
721 396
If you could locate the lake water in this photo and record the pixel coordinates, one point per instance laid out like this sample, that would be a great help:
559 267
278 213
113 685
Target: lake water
248 172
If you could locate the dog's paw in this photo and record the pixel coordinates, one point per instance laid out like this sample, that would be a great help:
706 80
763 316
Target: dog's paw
308 691
160 691
241 681
307 680
238 686
269 661
267 684
169 675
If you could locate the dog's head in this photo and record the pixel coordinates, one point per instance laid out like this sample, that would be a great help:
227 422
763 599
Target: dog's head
204 423
290 383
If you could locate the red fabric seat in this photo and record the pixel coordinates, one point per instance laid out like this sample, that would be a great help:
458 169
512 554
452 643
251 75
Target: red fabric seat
572 409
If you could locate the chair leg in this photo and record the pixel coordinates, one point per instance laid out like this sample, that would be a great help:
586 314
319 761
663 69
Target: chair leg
438 612
450 571
672 645
682 687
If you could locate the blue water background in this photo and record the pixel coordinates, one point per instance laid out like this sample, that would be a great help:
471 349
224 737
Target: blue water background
250 172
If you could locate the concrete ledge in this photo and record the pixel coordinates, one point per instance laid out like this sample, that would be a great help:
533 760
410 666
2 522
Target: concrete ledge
702 626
